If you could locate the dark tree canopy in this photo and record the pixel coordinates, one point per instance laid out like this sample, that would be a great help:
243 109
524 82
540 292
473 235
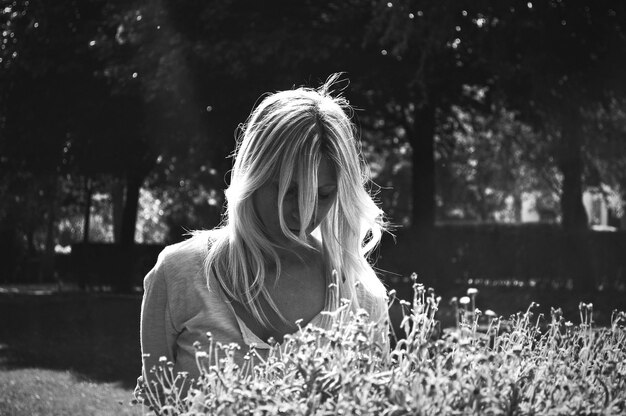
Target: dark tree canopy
562 59
118 94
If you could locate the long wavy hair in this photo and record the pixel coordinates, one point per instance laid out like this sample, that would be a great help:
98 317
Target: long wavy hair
285 137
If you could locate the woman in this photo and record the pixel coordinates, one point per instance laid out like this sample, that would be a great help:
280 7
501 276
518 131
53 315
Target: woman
298 219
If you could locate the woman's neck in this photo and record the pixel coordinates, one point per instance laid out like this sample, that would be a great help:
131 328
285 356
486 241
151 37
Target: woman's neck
296 250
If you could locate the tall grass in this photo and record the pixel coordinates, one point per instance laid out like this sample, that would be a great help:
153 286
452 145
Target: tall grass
522 365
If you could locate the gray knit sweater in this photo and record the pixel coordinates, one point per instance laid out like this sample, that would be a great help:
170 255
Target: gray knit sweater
179 308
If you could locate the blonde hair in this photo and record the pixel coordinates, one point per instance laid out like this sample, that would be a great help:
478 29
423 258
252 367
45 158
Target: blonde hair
285 137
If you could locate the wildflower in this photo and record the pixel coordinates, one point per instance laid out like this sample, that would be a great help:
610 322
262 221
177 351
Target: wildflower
346 373
472 291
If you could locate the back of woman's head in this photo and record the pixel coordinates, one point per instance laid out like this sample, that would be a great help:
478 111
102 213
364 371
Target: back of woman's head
284 140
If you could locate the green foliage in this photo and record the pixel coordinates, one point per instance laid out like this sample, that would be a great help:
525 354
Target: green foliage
605 148
487 161
153 91
518 366
561 60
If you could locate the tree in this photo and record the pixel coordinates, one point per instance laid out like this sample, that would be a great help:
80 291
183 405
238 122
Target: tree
605 153
485 162
42 96
562 58
72 103
431 53
237 50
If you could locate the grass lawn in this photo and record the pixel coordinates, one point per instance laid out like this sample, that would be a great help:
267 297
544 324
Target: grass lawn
68 354
38 391
78 353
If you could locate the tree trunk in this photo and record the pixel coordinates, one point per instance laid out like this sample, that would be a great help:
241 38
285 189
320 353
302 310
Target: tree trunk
9 249
124 274
129 214
622 219
517 204
574 216
30 241
423 195
87 213
46 268
573 212
423 175
117 198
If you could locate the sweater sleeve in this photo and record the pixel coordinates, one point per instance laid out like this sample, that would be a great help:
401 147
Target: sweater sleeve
381 317
374 300
158 334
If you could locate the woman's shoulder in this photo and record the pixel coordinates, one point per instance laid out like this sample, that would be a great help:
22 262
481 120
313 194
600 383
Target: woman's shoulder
372 296
186 255
181 267
194 246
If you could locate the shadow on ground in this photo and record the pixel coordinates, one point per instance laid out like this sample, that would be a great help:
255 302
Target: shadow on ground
95 336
